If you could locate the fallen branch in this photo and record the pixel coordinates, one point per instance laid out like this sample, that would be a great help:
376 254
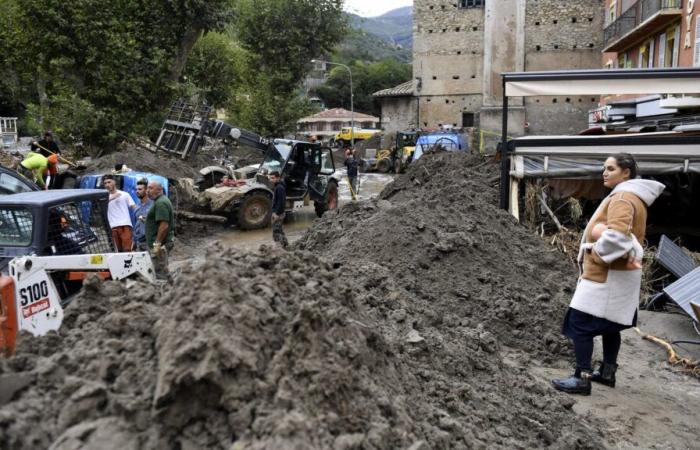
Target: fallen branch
203 217
551 214
685 364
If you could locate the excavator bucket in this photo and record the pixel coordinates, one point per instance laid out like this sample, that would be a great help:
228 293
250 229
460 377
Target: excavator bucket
8 316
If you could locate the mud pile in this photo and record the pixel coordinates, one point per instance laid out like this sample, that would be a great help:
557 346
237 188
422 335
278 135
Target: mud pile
142 160
414 329
440 234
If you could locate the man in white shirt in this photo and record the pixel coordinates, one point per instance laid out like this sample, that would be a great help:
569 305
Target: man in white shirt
118 214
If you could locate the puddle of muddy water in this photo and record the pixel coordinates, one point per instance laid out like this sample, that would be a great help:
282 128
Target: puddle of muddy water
371 184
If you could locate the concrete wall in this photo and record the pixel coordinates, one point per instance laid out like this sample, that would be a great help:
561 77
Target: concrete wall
398 113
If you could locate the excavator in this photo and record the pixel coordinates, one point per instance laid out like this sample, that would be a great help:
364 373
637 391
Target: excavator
50 241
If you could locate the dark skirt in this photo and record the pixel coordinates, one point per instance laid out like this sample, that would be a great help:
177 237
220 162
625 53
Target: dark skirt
581 325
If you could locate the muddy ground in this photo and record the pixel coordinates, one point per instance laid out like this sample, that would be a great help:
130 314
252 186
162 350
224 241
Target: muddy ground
422 318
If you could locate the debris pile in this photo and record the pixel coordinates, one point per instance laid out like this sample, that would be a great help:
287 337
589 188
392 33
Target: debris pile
440 234
406 322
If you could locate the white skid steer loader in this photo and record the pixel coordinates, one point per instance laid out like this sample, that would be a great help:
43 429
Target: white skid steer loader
49 243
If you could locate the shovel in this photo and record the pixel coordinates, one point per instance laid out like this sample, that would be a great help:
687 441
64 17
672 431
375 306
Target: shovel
70 163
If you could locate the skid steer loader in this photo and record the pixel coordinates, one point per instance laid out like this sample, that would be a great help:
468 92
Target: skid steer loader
49 242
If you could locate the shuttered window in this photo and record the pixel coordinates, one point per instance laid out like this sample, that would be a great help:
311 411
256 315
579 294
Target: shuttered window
696 59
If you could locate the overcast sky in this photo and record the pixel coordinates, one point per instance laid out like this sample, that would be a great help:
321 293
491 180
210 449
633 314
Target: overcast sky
371 8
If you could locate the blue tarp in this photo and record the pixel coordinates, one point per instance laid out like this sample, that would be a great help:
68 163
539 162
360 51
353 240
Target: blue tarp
125 182
452 142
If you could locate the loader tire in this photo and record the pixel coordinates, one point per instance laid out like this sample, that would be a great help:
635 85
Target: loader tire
384 165
331 202
255 211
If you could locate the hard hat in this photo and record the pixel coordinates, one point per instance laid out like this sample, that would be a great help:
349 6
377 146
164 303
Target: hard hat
53 159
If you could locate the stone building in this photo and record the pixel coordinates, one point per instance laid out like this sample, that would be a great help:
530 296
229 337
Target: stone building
460 48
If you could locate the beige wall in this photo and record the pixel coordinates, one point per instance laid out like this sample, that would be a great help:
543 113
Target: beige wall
459 55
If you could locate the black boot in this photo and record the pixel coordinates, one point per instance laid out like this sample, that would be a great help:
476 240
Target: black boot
605 374
575 384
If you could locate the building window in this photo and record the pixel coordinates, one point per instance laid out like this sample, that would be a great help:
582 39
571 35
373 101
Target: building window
696 56
643 61
471 3
669 48
612 13
467 119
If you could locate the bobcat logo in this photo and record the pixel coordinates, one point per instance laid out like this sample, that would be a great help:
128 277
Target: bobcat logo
127 263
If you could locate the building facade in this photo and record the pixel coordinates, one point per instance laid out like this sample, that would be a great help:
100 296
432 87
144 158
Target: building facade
461 47
328 123
651 33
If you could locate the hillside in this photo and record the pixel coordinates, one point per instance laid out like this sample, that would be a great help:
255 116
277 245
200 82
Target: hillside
374 38
395 27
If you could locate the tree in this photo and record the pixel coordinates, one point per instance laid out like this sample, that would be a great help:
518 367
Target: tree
215 67
111 58
367 79
281 37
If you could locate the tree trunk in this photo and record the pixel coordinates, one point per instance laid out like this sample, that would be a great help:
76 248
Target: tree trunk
186 44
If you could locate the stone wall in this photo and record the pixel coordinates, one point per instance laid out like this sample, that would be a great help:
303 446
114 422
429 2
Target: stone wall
446 110
562 35
459 53
398 113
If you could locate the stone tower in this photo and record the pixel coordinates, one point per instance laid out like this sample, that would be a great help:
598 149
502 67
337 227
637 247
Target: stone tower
460 48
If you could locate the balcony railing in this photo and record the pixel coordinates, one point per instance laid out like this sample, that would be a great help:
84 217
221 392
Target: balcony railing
636 15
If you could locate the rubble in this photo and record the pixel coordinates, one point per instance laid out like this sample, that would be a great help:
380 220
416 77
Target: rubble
404 322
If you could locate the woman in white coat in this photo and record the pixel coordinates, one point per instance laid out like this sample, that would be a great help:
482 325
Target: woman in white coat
607 294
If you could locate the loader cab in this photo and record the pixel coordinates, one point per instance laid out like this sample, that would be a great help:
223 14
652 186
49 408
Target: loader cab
61 222
305 167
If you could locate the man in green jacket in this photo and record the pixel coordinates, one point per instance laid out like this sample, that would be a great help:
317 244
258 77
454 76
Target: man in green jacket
160 229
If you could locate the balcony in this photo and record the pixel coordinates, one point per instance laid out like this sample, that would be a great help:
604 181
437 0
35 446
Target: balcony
641 20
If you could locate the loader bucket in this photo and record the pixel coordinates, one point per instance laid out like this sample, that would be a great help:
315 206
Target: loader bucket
8 316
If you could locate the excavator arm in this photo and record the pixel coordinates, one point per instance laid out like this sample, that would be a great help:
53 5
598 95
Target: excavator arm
229 134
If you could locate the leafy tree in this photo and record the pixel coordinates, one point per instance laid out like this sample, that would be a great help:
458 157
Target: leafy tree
215 67
281 37
367 79
114 59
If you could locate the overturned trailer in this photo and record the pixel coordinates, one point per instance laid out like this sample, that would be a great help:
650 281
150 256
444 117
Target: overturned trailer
573 164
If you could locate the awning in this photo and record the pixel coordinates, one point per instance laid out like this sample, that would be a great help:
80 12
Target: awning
562 167
603 82
583 156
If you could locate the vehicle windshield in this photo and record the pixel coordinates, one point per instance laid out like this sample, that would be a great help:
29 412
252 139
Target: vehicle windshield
16 226
276 157
407 140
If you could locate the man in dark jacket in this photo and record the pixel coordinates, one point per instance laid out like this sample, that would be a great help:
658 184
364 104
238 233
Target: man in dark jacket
279 198
46 146
351 164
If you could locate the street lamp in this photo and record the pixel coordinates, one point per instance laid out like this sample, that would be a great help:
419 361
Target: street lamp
352 99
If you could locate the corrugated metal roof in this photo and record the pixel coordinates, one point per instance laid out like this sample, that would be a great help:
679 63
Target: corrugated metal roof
686 290
402 90
673 258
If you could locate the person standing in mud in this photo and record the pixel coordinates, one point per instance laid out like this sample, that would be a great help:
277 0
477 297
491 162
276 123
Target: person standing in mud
118 214
140 214
607 294
352 168
160 229
279 198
